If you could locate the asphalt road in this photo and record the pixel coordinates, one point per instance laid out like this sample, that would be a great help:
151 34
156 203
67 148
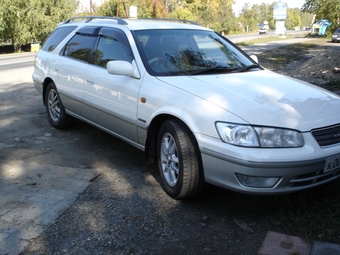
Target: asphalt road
34 188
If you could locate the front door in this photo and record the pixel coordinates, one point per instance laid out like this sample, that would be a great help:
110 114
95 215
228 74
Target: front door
112 99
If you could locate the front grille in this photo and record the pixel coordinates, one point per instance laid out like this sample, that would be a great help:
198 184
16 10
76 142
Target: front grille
327 135
312 179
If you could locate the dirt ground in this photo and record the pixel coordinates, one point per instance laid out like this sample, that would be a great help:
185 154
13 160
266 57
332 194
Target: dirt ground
323 67
317 62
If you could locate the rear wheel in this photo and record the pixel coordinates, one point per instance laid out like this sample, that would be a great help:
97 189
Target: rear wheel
179 161
55 109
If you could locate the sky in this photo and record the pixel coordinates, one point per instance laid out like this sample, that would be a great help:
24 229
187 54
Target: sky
290 3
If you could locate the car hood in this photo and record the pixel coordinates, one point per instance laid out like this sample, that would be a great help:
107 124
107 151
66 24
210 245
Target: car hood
265 98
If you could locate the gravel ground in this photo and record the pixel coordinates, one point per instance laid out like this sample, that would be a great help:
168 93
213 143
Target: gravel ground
128 213
125 211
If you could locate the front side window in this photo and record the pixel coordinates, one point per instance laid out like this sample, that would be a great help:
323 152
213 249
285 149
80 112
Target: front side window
56 37
189 52
113 45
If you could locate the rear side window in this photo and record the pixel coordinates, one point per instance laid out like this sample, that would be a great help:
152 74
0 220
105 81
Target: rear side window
80 47
56 37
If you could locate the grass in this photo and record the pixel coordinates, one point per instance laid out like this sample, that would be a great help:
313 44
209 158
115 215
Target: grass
315 213
332 85
263 39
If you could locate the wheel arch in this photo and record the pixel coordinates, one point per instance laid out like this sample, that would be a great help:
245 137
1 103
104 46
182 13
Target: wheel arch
151 141
180 164
45 84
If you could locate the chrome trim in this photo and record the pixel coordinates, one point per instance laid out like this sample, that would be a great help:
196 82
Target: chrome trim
117 115
255 164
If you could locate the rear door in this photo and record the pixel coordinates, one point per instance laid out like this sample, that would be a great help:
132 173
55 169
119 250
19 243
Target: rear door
72 67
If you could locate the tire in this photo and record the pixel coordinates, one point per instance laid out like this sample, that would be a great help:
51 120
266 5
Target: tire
56 113
179 161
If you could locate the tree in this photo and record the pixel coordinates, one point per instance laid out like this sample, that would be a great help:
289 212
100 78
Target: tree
108 8
248 18
324 9
306 18
215 14
261 12
293 19
225 19
146 8
13 27
22 22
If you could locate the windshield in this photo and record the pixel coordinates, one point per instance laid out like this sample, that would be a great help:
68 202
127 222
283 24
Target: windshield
189 52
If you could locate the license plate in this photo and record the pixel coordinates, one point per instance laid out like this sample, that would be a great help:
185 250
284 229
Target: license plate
332 164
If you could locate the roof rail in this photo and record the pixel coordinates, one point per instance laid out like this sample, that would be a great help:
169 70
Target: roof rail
89 18
173 20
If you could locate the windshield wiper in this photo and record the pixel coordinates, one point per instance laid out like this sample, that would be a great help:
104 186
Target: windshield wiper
215 69
246 68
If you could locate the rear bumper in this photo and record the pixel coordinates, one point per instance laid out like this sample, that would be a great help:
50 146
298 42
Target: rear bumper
38 83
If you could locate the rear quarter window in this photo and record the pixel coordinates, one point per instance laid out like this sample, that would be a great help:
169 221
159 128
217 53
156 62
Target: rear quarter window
56 37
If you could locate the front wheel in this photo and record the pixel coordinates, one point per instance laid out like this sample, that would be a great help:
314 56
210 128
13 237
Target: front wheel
179 161
55 109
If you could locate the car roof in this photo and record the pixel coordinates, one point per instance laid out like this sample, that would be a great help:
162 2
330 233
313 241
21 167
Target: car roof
134 24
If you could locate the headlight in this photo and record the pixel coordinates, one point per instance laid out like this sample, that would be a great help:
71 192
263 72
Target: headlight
266 137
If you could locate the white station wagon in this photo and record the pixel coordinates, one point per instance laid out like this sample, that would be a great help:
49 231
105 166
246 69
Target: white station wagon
192 101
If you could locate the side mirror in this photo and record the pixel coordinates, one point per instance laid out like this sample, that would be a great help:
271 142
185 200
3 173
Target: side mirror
254 57
119 67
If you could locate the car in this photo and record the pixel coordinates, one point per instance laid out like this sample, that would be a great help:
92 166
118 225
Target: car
197 105
336 36
263 31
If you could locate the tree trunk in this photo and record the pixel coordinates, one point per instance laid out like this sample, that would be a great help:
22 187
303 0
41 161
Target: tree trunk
17 47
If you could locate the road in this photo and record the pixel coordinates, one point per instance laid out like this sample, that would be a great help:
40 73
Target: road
246 37
34 187
14 64
43 172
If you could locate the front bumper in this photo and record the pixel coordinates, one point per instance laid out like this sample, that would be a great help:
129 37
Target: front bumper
224 169
336 39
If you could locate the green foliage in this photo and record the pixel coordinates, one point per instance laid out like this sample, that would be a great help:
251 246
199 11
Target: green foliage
248 18
324 9
108 8
256 14
23 22
294 19
146 8
315 212
306 18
